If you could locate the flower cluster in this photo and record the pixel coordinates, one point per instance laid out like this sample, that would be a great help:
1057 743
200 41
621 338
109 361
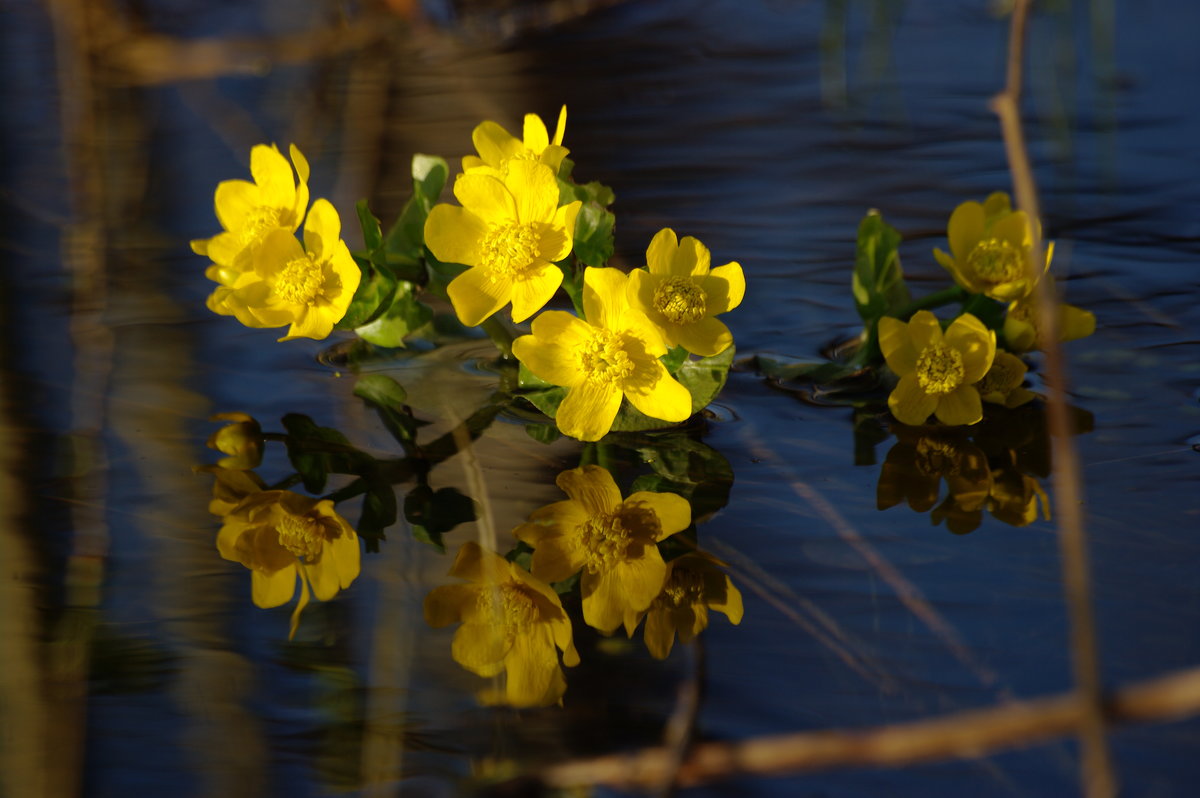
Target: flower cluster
512 619
266 277
281 536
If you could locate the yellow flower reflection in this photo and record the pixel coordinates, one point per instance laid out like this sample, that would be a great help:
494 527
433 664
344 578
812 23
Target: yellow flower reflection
937 371
308 287
512 623
612 541
497 148
695 584
682 295
1021 332
241 440
282 536
921 458
510 231
230 487
990 249
1002 385
249 211
612 354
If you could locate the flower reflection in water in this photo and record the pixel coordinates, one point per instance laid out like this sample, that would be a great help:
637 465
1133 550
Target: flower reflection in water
695 584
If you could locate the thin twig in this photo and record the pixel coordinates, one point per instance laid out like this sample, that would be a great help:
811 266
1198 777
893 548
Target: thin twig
962 735
1098 775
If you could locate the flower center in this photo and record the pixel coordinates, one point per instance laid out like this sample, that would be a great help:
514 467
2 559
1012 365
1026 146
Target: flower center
680 300
509 249
936 457
299 282
603 358
996 261
605 540
939 369
684 588
508 605
302 536
260 220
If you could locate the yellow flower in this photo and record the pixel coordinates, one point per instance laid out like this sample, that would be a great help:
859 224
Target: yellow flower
990 246
613 541
509 231
281 536
230 487
915 467
242 441
612 354
695 584
511 623
497 149
308 287
248 211
1021 332
1002 384
682 296
937 371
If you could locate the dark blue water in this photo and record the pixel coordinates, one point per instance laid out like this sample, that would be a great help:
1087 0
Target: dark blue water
767 130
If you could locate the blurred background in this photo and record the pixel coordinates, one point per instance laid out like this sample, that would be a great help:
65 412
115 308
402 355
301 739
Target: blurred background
134 661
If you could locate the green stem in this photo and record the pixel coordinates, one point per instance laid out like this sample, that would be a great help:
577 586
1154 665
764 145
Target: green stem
954 293
500 334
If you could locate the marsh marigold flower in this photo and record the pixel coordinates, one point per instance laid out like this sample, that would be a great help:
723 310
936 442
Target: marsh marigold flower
248 211
510 232
990 249
512 623
614 542
241 440
282 536
1002 385
682 295
1021 332
308 287
922 457
613 354
937 371
497 148
695 584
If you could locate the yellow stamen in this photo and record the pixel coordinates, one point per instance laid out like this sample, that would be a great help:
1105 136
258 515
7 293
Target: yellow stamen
680 300
300 281
939 369
683 589
605 539
509 249
302 536
509 605
603 358
258 222
996 261
936 457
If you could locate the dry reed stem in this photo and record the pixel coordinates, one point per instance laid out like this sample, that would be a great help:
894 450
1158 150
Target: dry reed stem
1098 776
968 734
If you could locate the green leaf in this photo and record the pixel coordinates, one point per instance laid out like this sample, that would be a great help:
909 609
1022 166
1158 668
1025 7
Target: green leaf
316 451
820 371
594 234
674 359
878 283
378 512
429 175
387 397
373 297
987 310
372 234
406 314
433 513
406 238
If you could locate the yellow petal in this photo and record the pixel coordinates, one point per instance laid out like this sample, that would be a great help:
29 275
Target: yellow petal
1074 323
727 598
641 338
909 403
897 346
924 329
322 230
273 174
486 197
639 292
946 260
705 338
556 243
453 234
493 143
274 588
593 487
536 137
553 156
588 410
965 229
657 394
234 200
561 128
661 253
278 249
660 633
449 604
475 564
535 189
551 352
996 204
724 287
534 678
674 513
300 162
603 602
477 294
1014 228
641 580
311 324
692 259
604 297
300 605
557 558
960 406
975 342
532 293
480 648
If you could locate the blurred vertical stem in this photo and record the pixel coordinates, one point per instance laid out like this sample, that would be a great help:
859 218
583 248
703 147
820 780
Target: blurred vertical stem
1099 778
